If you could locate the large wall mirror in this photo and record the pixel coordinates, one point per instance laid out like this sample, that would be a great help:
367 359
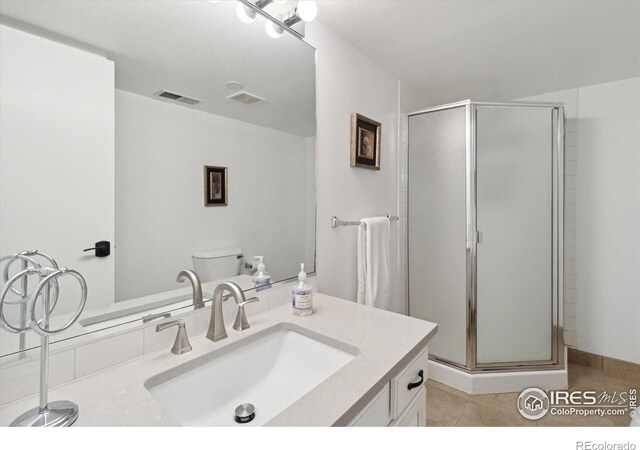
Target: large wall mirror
180 135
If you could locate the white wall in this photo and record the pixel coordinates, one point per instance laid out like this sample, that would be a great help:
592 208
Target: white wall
348 82
602 217
161 219
411 99
608 219
57 158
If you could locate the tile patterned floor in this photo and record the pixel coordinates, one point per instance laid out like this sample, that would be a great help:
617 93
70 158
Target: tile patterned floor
449 407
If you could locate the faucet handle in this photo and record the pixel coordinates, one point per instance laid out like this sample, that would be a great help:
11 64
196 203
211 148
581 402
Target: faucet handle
181 344
247 301
241 322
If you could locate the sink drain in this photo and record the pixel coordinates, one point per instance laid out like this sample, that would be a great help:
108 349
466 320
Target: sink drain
245 413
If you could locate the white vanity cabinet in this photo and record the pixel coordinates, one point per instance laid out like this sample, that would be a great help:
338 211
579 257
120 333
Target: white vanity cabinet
415 415
402 401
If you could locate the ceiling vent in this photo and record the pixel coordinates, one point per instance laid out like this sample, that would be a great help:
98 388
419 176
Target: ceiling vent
245 97
177 97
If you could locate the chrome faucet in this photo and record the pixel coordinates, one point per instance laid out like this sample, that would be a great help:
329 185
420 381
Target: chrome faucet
217 330
195 284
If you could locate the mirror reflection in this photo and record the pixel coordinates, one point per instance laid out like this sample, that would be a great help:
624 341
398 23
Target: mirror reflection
139 164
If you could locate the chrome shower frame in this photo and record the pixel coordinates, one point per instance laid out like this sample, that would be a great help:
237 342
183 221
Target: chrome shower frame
556 361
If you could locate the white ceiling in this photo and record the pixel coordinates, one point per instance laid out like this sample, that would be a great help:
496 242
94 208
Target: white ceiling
188 47
493 49
447 49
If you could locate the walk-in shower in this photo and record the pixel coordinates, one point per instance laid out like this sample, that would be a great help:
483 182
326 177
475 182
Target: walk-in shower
485 236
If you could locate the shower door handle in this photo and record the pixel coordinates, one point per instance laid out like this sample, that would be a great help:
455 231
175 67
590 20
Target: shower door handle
478 237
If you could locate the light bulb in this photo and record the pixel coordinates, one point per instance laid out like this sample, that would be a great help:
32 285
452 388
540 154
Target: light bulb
273 30
307 10
245 14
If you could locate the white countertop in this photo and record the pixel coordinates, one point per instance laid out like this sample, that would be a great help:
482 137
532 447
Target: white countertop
387 342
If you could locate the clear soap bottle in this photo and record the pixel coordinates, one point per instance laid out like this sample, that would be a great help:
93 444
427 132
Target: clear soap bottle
261 280
302 295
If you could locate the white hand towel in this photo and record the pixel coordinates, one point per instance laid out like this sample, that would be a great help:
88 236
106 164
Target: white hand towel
374 271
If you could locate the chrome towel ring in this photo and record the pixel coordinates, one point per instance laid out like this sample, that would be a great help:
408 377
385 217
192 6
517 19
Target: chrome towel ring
51 278
58 413
8 287
26 257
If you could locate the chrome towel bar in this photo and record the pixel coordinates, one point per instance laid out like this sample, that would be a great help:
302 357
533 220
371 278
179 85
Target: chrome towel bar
335 222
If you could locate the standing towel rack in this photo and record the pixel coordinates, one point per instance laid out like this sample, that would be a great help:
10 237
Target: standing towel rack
335 222
47 414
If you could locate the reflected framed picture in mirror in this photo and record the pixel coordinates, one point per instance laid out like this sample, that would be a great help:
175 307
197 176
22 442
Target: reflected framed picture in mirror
365 142
215 186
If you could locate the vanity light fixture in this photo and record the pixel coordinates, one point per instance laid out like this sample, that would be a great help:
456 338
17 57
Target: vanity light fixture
263 3
245 14
306 10
273 29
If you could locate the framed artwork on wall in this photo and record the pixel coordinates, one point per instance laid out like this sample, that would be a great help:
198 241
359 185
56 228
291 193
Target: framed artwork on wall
215 186
365 142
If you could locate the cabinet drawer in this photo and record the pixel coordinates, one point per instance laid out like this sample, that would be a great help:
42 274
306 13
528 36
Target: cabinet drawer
407 384
416 413
378 412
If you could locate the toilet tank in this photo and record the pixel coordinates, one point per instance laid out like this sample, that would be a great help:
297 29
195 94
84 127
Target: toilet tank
216 264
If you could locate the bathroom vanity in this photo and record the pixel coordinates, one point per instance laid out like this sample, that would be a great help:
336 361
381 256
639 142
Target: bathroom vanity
347 364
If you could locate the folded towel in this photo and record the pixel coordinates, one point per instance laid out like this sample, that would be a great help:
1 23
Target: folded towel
374 271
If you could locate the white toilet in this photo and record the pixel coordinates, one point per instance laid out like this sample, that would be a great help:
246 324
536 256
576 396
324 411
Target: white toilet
217 264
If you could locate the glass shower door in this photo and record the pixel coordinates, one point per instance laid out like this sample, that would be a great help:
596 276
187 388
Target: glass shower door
514 214
437 228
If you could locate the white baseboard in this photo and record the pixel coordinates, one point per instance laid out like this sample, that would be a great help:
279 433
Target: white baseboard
498 382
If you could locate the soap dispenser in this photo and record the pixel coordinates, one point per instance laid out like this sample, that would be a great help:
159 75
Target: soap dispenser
261 280
302 295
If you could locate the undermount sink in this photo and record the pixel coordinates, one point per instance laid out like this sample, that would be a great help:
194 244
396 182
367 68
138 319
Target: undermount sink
270 370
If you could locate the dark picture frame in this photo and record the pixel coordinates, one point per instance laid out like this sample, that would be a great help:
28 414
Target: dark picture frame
365 142
215 186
